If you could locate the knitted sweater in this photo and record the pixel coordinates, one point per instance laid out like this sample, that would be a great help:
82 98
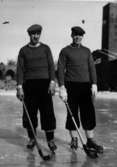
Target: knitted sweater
76 64
35 63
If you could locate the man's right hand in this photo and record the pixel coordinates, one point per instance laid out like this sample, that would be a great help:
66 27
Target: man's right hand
20 93
63 93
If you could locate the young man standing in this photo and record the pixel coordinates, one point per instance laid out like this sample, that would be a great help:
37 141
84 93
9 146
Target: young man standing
36 84
77 81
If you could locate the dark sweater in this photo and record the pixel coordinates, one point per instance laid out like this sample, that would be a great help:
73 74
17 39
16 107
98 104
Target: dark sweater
76 64
35 63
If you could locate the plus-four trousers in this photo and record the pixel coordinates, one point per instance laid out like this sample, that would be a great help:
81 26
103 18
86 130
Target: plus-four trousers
37 98
81 105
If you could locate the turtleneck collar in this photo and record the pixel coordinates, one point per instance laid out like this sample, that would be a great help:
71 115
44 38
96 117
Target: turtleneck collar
74 45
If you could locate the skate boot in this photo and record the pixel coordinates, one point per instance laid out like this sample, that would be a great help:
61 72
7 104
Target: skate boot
31 144
52 146
74 143
91 144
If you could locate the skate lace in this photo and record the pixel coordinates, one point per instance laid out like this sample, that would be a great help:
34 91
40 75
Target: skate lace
74 142
51 144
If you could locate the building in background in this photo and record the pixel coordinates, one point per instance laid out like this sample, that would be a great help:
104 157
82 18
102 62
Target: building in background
106 58
109 28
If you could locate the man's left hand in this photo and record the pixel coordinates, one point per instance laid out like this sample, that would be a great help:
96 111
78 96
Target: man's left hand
94 90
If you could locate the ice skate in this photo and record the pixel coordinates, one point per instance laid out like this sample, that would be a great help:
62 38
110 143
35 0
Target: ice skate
31 144
52 146
91 144
74 143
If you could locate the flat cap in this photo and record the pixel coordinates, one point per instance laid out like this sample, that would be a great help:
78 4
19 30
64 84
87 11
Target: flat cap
34 28
77 31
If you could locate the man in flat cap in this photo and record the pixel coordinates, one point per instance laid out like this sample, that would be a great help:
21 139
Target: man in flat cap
78 86
36 85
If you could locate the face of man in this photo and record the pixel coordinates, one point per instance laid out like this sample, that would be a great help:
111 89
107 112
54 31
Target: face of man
34 38
77 39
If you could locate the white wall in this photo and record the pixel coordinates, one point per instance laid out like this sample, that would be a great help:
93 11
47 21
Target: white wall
56 16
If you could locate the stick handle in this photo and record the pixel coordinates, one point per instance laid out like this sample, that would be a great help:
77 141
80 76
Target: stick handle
44 157
69 110
30 121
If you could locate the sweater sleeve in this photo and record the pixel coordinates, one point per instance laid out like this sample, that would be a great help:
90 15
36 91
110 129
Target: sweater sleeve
50 64
61 67
92 69
20 68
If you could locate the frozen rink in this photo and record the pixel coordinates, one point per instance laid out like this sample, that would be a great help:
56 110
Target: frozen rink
13 139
